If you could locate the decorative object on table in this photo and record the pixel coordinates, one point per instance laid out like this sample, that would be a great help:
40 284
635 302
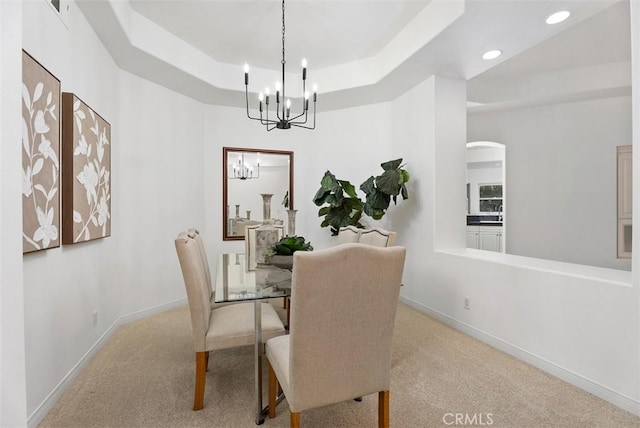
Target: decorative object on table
86 172
283 119
40 157
291 222
281 253
347 210
258 240
266 206
248 214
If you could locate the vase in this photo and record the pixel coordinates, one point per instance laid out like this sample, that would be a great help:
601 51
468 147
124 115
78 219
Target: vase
248 214
266 206
291 224
282 262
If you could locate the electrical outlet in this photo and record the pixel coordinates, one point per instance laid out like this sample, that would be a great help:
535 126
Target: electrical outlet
94 316
467 303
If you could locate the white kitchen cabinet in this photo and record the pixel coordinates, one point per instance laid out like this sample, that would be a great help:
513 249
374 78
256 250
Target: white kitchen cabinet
625 200
488 238
472 237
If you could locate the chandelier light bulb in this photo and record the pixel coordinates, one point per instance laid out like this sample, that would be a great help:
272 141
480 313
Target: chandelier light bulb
267 91
260 96
306 95
278 86
288 103
304 63
246 67
315 88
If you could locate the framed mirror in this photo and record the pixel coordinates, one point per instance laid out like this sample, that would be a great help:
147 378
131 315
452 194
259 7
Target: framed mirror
247 174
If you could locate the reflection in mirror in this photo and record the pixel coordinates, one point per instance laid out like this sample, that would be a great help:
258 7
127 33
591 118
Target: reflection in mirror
561 108
247 174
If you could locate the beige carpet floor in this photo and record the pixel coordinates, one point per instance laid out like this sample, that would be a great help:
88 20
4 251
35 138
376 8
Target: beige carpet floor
143 377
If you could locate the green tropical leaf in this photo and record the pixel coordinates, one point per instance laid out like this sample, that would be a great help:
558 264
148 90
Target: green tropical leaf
391 165
368 186
321 196
404 192
329 182
404 175
389 182
348 188
323 211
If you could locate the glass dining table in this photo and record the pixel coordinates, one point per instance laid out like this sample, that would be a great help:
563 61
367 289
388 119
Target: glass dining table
235 283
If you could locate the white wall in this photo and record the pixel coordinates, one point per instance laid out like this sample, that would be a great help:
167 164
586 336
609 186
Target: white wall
157 181
561 177
13 411
562 319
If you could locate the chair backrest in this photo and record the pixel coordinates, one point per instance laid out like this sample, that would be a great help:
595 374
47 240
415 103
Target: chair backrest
195 282
377 237
195 234
343 308
348 235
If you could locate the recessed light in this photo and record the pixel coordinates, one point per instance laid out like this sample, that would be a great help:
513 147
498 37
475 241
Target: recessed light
558 17
492 54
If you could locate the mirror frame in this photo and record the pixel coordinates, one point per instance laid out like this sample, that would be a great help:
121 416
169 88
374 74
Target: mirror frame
225 184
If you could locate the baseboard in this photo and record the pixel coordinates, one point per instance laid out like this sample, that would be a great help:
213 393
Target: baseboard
38 415
621 400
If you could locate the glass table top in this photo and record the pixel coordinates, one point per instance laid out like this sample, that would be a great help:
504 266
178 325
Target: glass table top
235 283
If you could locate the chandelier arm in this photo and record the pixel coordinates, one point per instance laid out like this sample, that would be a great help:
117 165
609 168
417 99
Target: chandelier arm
314 120
246 94
292 120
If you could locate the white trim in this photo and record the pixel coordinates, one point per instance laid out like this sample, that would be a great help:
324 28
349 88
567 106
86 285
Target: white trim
41 411
616 398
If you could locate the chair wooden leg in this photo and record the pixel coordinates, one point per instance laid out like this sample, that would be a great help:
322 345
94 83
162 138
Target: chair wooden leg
201 371
273 383
206 366
288 313
285 303
383 409
295 420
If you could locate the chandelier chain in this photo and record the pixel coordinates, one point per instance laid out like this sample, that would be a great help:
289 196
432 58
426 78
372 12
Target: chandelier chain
283 28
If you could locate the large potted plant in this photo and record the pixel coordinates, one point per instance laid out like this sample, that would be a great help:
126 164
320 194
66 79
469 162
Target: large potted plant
341 205
281 254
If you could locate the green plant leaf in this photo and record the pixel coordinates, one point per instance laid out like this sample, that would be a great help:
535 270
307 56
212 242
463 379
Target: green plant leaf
329 182
389 182
404 175
391 165
321 196
368 186
404 192
323 211
348 188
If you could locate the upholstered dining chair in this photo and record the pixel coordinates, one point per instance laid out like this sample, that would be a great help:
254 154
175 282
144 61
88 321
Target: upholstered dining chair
337 350
220 327
376 236
348 235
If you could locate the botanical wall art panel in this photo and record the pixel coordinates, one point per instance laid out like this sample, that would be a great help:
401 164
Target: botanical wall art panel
40 157
86 172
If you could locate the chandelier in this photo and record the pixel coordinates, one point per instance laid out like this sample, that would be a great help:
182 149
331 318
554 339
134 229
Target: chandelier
244 171
283 119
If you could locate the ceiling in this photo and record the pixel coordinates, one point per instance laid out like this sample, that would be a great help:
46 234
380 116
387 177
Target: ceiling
359 51
326 33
